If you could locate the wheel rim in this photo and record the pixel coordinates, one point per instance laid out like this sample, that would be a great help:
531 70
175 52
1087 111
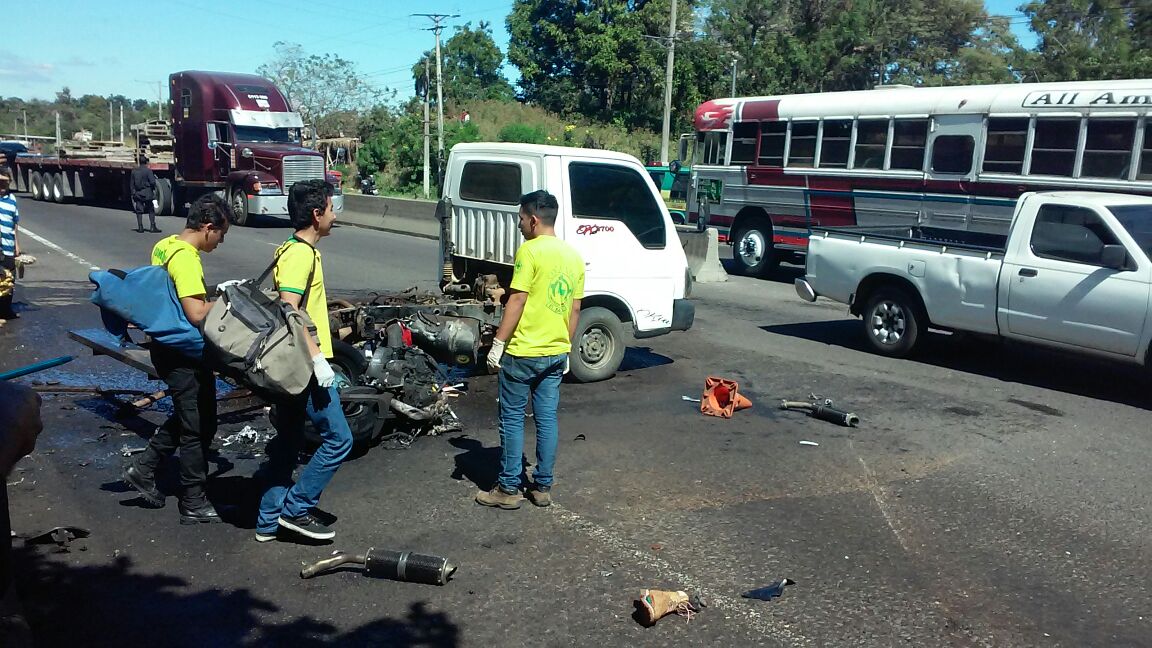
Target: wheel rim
889 322
750 247
596 346
341 383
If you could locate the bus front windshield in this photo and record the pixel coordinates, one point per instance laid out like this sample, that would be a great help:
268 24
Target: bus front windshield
267 135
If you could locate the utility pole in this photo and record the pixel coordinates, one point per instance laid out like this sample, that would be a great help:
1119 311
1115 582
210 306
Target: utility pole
159 97
25 125
426 135
733 77
111 112
664 134
121 124
436 27
57 130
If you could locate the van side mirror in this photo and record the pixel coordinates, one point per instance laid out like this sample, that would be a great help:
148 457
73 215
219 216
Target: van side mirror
674 166
1114 256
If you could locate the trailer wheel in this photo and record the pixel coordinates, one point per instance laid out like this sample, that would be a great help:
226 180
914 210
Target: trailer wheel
56 188
164 197
598 345
239 206
893 321
36 185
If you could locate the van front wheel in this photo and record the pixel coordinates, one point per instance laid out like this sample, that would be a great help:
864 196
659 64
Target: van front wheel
598 347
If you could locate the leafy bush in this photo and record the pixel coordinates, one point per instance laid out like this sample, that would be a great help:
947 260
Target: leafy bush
522 133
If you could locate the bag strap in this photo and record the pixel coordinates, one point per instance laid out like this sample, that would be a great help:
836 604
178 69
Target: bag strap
311 273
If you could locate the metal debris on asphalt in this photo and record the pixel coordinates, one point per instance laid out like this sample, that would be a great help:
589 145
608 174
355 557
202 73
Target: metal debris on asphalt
128 452
249 435
769 592
690 399
809 443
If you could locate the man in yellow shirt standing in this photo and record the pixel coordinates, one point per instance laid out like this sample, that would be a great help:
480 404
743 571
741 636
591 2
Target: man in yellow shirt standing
192 387
299 277
531 349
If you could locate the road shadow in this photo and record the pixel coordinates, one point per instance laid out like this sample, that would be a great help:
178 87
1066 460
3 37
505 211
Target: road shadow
477 464
266 221
1006 361
104 605
785 273
642 358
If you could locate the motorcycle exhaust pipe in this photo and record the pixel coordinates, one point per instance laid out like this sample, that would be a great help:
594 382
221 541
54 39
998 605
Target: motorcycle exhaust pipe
394 565
824 412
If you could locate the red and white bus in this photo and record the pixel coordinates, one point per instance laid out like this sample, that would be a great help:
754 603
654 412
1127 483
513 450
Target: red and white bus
766 169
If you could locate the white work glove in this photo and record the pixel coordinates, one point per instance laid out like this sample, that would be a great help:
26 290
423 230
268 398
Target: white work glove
325 377
495 354
224 284
566 359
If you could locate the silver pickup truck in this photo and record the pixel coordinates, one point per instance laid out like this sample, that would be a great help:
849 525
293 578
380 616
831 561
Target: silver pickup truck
1074 272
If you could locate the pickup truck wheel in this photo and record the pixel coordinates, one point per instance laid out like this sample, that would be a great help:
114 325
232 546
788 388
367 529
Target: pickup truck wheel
893 321
240 206
753 250
36 185
598 346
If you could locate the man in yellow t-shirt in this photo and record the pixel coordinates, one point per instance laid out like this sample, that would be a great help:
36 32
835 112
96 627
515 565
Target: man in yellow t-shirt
299 277
192 387
531 349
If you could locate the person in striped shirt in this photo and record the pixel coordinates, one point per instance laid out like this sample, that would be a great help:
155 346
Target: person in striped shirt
9 244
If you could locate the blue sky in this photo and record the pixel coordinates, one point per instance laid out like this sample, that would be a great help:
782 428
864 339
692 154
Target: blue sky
125 47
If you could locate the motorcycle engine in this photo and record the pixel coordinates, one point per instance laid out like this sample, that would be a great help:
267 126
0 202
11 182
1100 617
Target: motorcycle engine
405 371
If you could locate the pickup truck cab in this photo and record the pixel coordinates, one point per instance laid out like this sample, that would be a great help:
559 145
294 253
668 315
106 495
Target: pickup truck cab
610 211
1074 272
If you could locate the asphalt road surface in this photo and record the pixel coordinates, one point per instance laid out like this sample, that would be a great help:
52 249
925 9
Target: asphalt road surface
992 495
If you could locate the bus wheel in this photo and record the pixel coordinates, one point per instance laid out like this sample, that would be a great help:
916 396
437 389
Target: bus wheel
598 347
752 248
240 206
36 185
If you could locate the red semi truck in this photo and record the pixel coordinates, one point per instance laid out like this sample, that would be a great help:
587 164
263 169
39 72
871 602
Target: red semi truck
233 134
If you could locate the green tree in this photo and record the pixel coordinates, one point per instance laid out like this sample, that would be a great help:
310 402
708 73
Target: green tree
320 87
471 64
1090 39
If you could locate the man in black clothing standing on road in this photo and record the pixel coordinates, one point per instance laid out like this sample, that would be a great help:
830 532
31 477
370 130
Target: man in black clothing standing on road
143 185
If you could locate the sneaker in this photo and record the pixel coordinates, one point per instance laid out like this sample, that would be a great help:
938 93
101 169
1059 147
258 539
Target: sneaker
306 525
265 537
540 495
500 499
144 484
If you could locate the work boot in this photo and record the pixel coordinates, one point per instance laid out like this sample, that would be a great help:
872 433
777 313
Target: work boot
657 603
198 511
307 525
144 484
500 498
540 495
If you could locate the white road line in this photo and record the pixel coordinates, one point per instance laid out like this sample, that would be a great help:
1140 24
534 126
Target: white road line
41 239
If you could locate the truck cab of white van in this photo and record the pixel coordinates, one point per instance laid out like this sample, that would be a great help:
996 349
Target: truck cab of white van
609 210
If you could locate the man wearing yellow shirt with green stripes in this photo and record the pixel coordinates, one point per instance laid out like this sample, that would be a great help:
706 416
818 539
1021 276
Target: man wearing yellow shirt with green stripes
531 349
299 276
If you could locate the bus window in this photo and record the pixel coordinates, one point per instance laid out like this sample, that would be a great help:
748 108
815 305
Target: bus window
1004 148
908 139
871 140
835 142
1108 148
1054 146
1146 154
802 150
952 154
772 136
744 143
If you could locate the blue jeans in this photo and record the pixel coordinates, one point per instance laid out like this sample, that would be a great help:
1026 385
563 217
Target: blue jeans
519 379
322 406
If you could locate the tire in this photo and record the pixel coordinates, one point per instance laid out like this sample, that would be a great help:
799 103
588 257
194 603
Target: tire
57 188
164 197
753 250
36 185
239 204
893 322
599 345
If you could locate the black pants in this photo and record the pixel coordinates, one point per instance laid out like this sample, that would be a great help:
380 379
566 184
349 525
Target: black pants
192 425
5 541
142 207
9 263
